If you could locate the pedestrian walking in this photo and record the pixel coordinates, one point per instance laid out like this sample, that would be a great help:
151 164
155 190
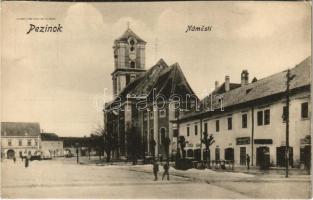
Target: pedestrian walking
166 167
248 161
26 162
14 159
155 170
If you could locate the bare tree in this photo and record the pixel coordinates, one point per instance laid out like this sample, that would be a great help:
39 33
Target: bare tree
103 141
134 144
207 141
182 143
167 143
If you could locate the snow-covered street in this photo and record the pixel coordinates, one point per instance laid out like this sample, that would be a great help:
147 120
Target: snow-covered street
63 178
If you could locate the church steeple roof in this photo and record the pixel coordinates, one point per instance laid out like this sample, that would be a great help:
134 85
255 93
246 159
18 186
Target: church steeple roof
129 33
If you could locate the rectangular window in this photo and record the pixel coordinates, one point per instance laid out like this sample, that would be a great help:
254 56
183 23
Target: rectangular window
151 114
176 114
145 115
127 79
244 121
260 118
206 127
305 110
196 129
175 132
230 123
188 131
217 127
20 143
9 142
162 113
284 116
151 132
267 117
29 142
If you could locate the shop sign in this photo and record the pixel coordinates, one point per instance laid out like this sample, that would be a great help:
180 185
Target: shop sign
306 140
263 141
243 140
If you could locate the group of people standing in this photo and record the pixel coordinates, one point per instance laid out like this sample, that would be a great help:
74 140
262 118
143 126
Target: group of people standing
26 158
166 168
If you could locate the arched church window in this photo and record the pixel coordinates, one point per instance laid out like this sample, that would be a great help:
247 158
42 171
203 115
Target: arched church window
163 135
132 64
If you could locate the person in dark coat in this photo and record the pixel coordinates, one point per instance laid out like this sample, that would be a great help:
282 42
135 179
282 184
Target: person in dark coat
248 161
155 170
166 167
26 162
14 159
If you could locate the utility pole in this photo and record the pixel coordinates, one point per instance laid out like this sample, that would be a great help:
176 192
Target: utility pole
201 130
289 78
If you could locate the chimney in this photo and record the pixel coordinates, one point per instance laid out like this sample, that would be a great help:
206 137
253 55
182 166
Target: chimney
244 77
227 87
216 84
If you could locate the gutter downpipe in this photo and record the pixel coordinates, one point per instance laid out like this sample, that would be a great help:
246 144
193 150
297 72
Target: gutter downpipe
201 129
252 134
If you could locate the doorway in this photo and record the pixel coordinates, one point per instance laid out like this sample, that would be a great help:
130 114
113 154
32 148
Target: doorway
263 156
229 154
281 157
217 153
10 154
305 156
243 156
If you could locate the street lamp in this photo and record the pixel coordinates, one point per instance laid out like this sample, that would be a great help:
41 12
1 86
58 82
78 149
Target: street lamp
77 155
289 78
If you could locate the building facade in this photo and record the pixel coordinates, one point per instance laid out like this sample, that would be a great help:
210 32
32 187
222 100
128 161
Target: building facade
19 139
142 107
52 144
250 118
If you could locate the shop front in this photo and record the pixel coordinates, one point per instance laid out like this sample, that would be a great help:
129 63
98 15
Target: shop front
243 144
263 152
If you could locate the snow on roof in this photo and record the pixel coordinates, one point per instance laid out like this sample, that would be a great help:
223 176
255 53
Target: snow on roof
161 78
20 129
265 87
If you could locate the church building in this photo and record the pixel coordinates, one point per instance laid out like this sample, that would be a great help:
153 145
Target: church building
145 100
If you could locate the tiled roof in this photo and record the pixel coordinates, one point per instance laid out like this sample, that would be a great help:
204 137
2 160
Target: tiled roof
129 33
49 137
20 129
221 89
69 142
160 79
266 87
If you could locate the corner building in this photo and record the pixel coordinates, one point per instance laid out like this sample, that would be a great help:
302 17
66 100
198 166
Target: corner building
253 119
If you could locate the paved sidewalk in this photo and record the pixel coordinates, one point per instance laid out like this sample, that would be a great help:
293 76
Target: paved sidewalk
207 175
240 173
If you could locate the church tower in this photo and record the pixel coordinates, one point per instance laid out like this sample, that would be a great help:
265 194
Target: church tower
129 60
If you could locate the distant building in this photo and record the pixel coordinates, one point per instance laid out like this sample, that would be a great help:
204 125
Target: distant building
19 138
253 119
154 88
71 144
50 142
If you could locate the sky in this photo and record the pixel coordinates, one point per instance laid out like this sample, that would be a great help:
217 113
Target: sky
62 80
